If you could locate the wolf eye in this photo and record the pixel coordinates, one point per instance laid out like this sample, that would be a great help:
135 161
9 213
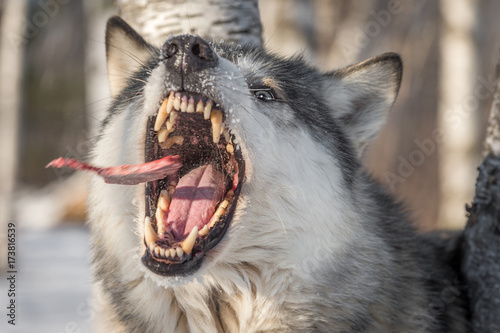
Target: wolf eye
266 95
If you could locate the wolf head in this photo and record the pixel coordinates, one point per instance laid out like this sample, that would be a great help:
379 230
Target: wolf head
270 150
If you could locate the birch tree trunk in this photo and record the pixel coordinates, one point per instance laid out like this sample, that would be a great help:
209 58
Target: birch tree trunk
232 20
458 109
481 247
11 60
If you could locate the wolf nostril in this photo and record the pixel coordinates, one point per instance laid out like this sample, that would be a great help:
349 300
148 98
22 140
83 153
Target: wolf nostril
203 51
169 50
196 50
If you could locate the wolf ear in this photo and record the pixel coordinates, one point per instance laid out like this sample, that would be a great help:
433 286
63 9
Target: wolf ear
126 52
362 95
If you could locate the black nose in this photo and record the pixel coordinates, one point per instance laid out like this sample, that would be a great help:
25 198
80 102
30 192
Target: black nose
188 54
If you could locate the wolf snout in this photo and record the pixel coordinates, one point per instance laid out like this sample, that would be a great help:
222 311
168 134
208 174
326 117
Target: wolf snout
187 54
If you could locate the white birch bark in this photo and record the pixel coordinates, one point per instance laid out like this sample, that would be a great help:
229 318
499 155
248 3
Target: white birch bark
492 140
11 60
457 111
232 20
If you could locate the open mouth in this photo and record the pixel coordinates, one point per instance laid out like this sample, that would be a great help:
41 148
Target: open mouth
188 212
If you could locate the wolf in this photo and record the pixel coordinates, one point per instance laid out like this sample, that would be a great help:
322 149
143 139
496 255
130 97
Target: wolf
271 224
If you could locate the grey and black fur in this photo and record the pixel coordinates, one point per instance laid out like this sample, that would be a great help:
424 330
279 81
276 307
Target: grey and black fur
315 245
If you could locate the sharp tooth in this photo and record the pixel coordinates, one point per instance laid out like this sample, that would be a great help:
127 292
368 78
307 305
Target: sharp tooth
170 103
226 135
162 252
162 135
170 125
179 252
172 128
171 190
152 247
216 119
224 204
188 243
172 253
203 231
150 235
160 214
199 107
213 220
161 116
207 110
184 104
190 107
163 200
220 211
177 101
175 140
173 116
230 148
157 251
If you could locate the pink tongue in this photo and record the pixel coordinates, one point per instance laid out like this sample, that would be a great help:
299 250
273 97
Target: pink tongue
194 200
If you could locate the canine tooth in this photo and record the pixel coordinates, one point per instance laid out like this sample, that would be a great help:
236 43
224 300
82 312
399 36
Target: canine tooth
190 107
207 110
160 214
162 135
172 253
152 247
163 200
230 148
170 103
161 116
216 119
184 104
188 244
199 107
149 234
203 231
178 139
179 252
177 101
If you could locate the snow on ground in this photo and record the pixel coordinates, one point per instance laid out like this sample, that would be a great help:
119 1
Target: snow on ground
53 282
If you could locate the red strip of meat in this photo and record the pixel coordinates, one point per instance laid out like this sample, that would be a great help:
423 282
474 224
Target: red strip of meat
125 174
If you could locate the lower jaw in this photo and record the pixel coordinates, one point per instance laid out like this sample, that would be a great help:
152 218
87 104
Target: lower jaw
190 263
186 268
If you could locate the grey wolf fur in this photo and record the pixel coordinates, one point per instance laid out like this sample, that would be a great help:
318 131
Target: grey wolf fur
315 245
